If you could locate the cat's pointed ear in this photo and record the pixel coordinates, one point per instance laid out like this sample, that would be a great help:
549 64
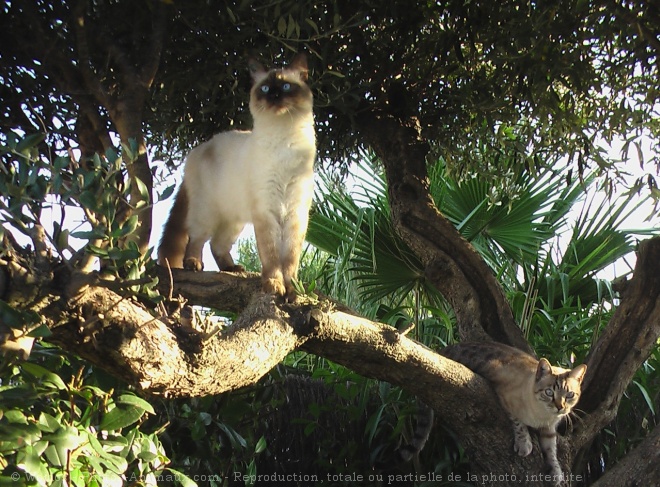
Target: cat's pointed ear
257 70
299 64
544 368
578 373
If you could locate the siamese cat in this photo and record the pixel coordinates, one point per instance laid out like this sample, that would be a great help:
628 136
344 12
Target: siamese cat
263 176
533 393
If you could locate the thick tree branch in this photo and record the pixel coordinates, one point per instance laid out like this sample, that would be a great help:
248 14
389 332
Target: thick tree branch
149 352
451 263
85 66
210 289
639 467
151 55
119 335
627 341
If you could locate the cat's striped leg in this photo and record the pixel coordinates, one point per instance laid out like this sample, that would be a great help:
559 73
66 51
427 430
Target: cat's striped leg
522 441
548 442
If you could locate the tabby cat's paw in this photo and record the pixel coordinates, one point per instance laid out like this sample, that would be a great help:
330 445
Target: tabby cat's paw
523 446
556 474
193 264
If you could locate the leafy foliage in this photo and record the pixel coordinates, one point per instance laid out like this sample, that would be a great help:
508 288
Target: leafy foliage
38 191
556 296
61 423
497 90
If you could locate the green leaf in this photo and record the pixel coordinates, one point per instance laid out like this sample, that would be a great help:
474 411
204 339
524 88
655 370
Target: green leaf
313 25
647 398
98 251
14 318
15 416
41 331
44 375
48 423
89 235
145 194
281 26
88 200
30 141
167 193
120 417
183 479
66 437
53 455
132 400
33 464
261 445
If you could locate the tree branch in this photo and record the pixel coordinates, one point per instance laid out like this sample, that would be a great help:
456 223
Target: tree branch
92 82
122 337
451 263
151 55
627 341
639 467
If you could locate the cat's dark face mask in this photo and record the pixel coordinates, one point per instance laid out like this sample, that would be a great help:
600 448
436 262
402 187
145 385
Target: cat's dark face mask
280 91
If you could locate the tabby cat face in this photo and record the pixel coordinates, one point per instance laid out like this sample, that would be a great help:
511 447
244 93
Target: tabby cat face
280 91
558 389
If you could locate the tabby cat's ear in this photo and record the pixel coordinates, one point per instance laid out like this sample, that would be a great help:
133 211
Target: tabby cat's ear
257 70
544 368
578 373
299 63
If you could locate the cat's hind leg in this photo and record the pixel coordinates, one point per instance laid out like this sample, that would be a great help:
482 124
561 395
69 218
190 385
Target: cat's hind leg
192 259
221 244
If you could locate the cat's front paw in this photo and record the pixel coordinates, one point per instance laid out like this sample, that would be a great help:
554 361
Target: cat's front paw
523 446
193 264
274 286
557 475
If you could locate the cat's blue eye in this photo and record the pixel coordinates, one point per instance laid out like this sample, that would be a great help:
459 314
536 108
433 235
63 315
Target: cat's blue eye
570 395
286 87
265 89
549 392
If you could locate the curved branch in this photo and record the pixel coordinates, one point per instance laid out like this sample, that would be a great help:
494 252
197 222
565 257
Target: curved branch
627 341
122 337
451 263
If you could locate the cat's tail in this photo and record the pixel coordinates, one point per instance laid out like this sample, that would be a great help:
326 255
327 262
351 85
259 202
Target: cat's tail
423 427
172 247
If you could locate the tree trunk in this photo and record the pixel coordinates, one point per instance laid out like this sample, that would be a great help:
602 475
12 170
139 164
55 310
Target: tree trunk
450 262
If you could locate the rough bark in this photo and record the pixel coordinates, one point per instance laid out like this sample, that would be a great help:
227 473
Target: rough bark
149 351
627 341
450 262
119 335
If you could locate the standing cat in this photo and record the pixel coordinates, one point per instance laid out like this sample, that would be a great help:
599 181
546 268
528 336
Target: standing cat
263 176
532 392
